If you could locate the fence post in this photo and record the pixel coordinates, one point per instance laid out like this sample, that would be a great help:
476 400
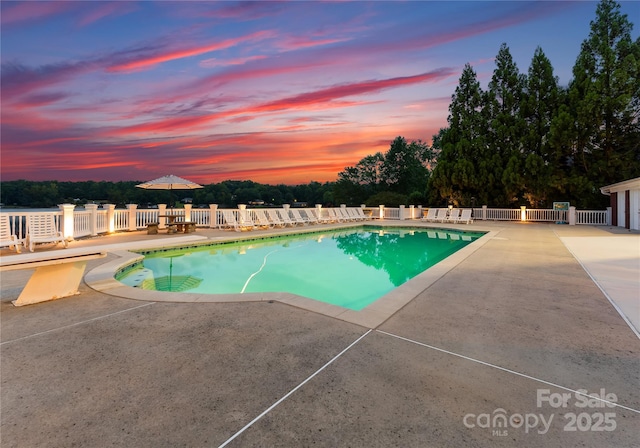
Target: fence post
319 212
401 213
608 216
523 213
242 213
93 208
111 217
133 225
187 212
484 212
572 215
66 224
381 211
420 215
162 210
213 218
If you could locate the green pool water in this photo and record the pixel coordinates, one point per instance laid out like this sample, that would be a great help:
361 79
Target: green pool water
350 267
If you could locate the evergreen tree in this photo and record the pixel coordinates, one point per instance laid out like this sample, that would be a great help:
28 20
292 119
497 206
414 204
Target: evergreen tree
461 145
603 100
502 164
539 106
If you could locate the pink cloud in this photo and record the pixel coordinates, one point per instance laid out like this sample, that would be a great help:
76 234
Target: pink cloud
144 62
300 42
244 10
319 99
110 9
30 11
18 79
213 62
351 89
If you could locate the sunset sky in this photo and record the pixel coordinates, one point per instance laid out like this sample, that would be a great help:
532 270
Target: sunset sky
274 92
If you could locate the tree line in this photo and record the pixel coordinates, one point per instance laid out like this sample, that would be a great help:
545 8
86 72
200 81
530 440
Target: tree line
525 140
528 141
24 193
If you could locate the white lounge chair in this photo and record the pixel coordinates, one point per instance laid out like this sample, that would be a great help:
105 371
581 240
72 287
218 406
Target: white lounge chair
232 222
229 220
274 218
7 238
43 229
431 215
333 216
311 216
286 219
441 215
351 211
245 221
360 212
322 217
453 215
351 215
261 219
342 212
298 218
465 216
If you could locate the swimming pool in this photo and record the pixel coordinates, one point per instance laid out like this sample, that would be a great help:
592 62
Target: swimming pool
350 268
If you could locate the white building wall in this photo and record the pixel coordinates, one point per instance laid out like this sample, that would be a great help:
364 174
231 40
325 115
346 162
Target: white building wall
634 204
621 188
621 197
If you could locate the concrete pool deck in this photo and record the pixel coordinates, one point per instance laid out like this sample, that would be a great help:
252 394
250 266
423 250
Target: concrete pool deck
496 339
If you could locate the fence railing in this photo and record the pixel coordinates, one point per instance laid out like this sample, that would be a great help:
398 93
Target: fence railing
91 221
502 214
102 222
547 215
120 220
593 217
81 223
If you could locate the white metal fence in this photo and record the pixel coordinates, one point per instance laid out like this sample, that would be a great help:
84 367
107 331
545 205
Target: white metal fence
501 214
546 215
81 223
96 221
593 217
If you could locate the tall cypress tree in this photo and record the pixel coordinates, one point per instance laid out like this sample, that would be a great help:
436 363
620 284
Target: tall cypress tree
501 166
539 106
462 145
603 99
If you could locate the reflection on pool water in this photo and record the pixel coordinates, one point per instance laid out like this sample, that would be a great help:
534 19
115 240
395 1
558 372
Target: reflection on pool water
350 267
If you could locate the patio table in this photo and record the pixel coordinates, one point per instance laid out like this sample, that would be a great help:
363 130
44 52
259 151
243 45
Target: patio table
172 226
176 223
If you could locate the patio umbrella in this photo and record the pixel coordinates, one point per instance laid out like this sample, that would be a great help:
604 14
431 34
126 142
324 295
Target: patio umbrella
170 183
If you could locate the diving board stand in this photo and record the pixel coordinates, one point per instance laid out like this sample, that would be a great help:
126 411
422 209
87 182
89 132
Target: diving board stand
57 274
